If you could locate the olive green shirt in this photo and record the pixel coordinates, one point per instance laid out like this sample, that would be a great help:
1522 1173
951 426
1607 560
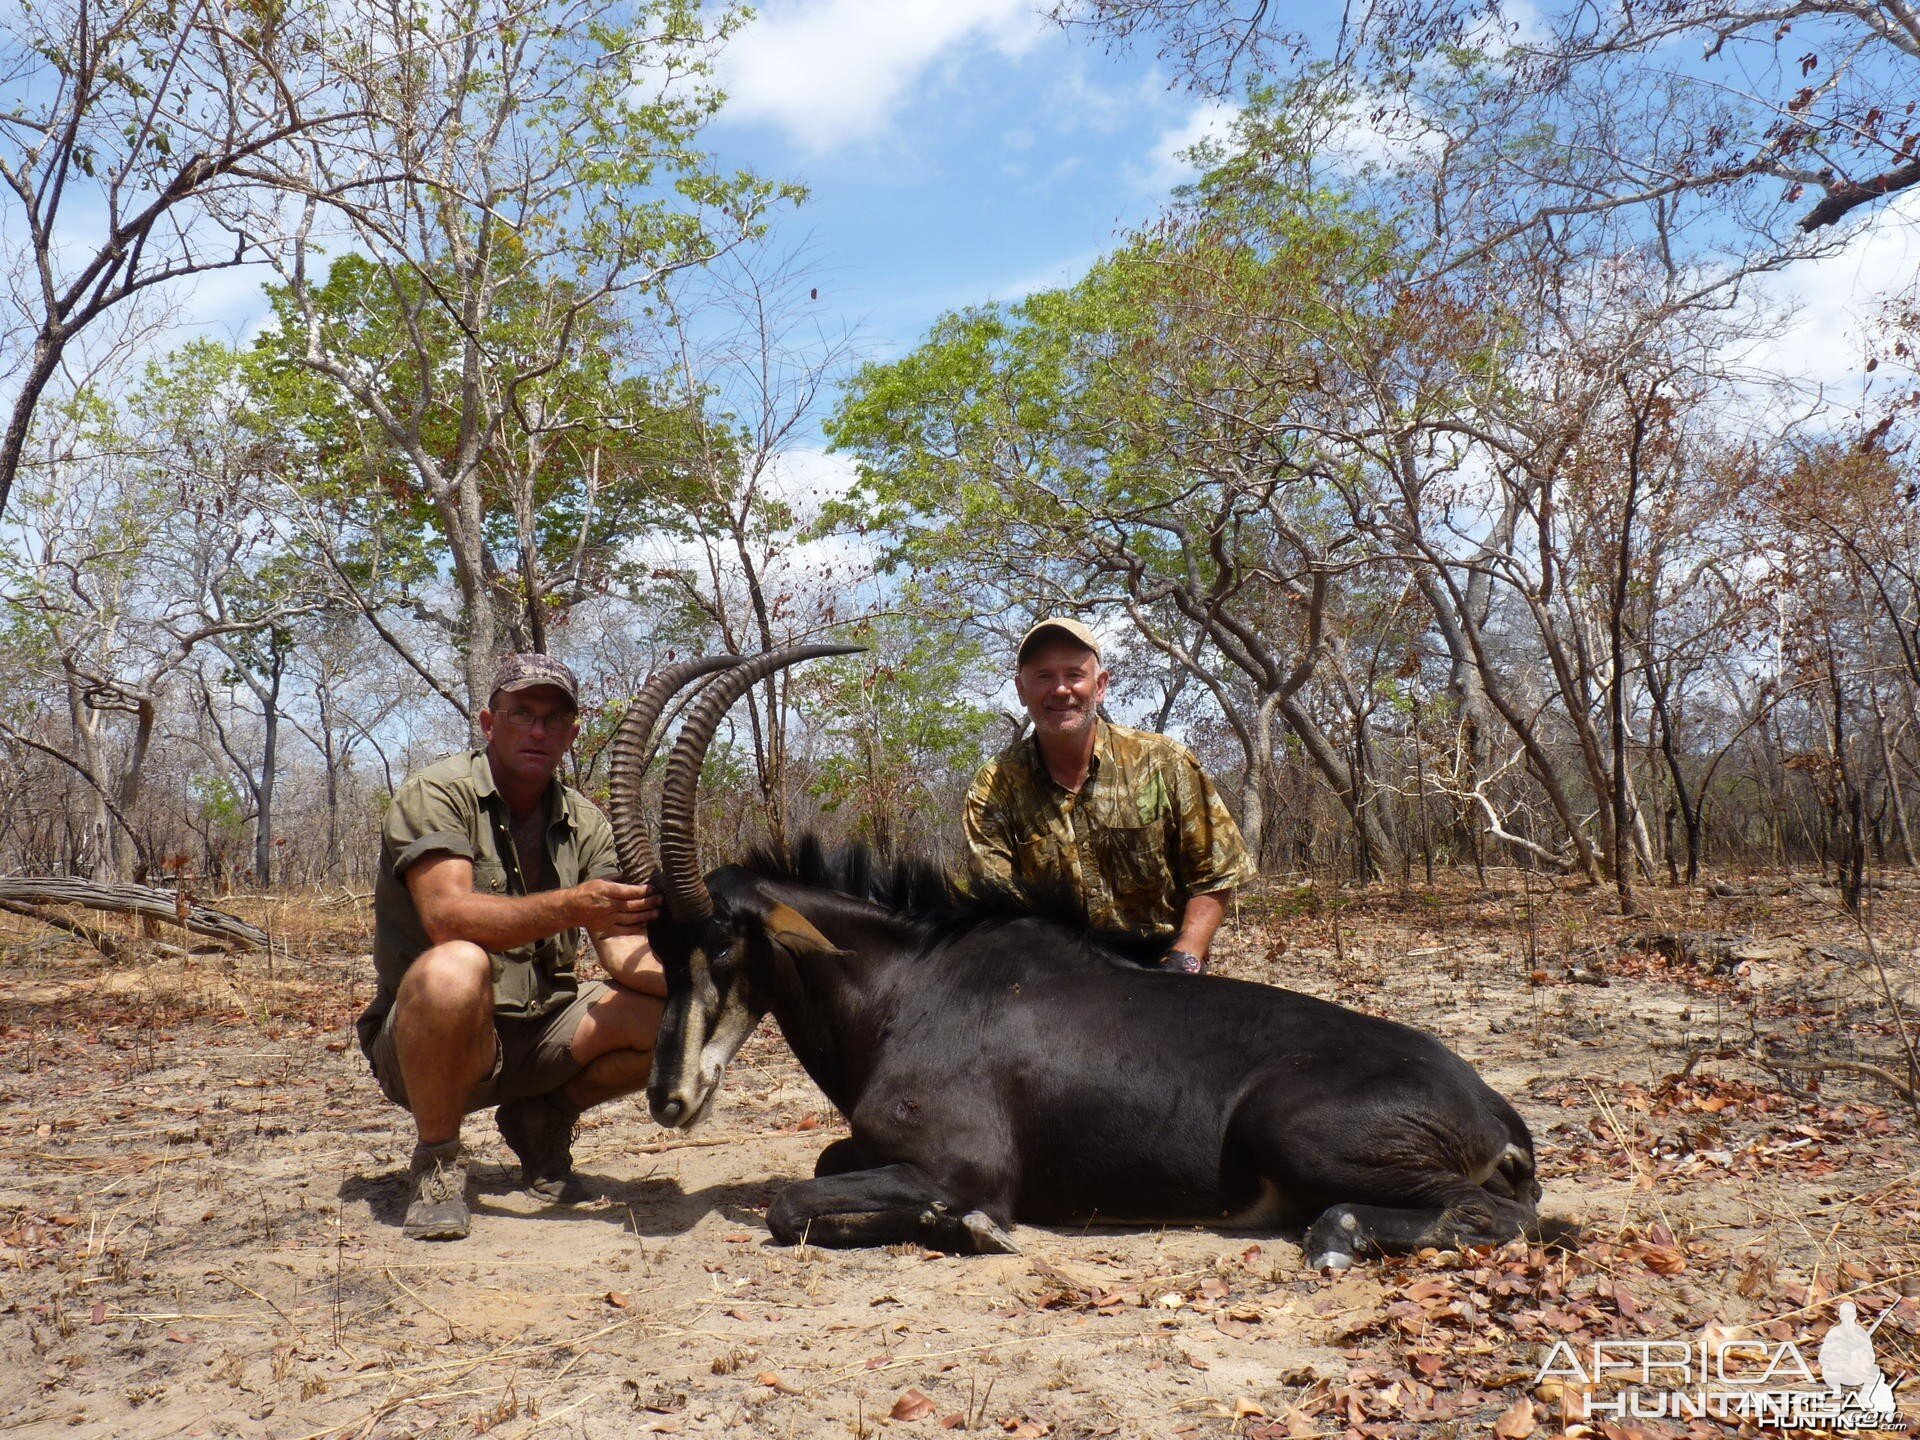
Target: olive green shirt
453 807
1145 833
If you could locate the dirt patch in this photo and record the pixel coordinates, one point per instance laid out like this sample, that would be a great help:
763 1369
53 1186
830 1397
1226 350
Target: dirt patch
201 1188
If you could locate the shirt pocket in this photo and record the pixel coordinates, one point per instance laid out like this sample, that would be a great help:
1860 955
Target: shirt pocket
1132 858
490 878
516 983
1041 857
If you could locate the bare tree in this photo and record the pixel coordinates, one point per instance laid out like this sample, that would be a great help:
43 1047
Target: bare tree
141 544
752 362
1813 96
1213 44
141 145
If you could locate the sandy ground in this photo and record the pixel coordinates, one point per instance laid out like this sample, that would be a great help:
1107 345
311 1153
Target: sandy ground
200 1189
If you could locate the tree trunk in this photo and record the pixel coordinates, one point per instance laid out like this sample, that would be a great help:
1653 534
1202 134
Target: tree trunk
1658 690
1539 763
1420 790
1896 798
1339 776
1253 809
467 543
269 695
47 350
1457 616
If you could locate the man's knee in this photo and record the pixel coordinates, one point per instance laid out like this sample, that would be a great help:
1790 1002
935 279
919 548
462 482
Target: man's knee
450 981
621 1020
448 974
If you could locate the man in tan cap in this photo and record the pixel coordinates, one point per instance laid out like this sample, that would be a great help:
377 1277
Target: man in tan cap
489 868
1126 819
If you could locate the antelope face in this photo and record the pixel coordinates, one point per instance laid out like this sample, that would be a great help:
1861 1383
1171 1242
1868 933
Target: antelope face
710 1013
718 989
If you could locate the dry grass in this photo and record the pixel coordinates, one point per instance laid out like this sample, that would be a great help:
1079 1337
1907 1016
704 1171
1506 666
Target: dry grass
198 1202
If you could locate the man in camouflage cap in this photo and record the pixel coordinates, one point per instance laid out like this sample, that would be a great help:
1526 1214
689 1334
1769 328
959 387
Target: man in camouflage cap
489 869
1126 819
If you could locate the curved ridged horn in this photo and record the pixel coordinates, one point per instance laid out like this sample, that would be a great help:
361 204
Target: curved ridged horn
634 746
688 898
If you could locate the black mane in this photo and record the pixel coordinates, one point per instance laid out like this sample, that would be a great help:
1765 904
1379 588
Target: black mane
946 903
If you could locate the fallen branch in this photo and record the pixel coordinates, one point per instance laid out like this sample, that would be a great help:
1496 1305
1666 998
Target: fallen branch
1564 863
99 939
1719 951
1885 1076
169 906
660 1147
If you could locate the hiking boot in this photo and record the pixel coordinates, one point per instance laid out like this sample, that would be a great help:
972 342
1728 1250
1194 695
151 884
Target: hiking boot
539 1129
437 1199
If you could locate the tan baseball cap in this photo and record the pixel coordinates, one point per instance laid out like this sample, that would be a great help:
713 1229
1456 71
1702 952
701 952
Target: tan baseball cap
1057 627
527 672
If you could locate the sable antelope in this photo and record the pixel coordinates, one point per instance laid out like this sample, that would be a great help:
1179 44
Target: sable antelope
1001 1063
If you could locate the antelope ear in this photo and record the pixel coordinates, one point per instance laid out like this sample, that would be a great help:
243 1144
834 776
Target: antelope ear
794 933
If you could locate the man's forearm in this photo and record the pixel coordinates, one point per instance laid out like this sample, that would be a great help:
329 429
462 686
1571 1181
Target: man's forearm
1199 920
629 962
504 922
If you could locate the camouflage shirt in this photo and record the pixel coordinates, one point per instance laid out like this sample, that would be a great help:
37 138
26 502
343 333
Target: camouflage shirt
1145 833
453 807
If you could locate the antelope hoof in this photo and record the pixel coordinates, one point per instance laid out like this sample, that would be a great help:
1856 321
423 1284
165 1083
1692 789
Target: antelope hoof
988 1237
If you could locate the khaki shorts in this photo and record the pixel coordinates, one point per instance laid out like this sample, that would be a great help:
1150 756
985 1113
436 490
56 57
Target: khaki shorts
530 1057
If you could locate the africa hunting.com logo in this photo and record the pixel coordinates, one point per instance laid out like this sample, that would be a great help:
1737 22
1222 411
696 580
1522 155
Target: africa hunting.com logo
1765 1383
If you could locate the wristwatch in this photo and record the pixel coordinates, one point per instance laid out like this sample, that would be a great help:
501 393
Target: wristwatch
1184 961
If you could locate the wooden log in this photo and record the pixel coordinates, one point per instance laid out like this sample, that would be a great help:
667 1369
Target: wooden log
169 906
1720 951
99 939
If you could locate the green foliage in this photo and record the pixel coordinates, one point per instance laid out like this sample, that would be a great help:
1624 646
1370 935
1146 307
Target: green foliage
89 529
598 455
222 809
1204 408
471 390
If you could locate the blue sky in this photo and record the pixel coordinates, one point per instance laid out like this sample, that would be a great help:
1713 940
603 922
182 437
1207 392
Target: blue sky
965 150
957 151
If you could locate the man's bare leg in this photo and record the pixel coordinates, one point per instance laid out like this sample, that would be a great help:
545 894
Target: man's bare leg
443 1038
615 1044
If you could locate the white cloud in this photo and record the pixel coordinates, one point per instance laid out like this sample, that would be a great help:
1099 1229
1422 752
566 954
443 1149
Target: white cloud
1518 23
1378 133
1167 164
805 479
230 304
1838 299
833 72
1077 102
1054 275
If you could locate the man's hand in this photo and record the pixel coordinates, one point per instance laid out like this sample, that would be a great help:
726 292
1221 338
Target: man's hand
607 908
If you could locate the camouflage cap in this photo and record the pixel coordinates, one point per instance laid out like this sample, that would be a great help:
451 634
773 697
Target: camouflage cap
1057 627
525 672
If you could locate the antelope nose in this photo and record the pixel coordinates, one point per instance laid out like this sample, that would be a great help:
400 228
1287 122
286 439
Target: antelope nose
669 1113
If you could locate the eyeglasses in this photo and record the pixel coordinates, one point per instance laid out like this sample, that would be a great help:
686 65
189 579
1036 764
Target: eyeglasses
521 718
